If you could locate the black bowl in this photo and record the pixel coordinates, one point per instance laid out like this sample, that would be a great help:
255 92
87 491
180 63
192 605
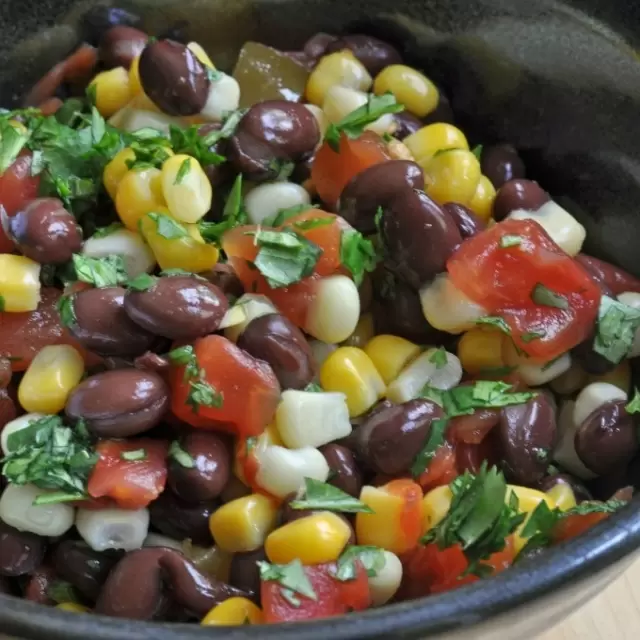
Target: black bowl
561 81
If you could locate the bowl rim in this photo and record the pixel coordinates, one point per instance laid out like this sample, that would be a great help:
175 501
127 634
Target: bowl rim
566 564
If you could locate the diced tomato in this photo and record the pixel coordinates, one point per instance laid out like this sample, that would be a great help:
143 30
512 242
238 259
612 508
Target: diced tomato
331 170
472 429
249 389
248 463
572 526
441 470
411 515
133 484
333 597
502 280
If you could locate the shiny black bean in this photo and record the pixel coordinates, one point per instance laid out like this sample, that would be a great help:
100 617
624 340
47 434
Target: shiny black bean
45 231
406 124
120 46
502 163
590 360
527 434
206 480
466 220
615 279
81 566
607 439
276 340
271 135
390 439
150 361
217 173
21 552
173 77
177 307
101 18
419 236
373 53
316 46
180 520
226 279
376 187
580 492
120 403
101 325
244 573
518 194
344 472
142 583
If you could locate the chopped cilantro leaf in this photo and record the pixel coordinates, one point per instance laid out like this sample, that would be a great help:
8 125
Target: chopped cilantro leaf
233 215
546 297
184 459
508 240
142 282
357 254
371 558
633 405
322 496
66 311
495 321
291 576
616 328
103 232
168 227
284 214
100 272
183 171
439 357
434 440
134 456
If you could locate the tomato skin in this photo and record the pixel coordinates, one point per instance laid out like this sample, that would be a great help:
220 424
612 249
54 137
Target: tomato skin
334 597
411 515
132 484
249 388
441 470
502 280
572 526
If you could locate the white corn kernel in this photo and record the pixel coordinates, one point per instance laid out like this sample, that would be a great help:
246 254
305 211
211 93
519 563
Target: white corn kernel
321 351
425 369
113 528
269 198
224 97
138 257
309 419
253 306
131 120
561 226
536 374
446 308
592 397
321 119
564 452
282 471
340 101
335 310
158 540
18 424
632 299
384 585
18 511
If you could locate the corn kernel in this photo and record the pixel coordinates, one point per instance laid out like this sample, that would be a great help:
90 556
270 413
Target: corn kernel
426 142
139 193
201 54
435 507
186 188
74 607
116 170
481 349
410 87
528 500
233 612
398 150
113 90
390 355
451 176
350 371
562 496
19 283
342 68
52 375
243 524
363 333
188 252
619 377
482 201
135 85
315 539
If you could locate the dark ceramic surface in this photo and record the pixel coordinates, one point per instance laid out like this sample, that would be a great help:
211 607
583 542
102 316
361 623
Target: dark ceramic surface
558 80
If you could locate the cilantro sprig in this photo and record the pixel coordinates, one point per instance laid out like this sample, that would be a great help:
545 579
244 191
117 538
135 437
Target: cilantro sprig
322 496
371 558
233 215
357 254
292 579
616 328
109 271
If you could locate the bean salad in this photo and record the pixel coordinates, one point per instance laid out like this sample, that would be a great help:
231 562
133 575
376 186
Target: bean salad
281 343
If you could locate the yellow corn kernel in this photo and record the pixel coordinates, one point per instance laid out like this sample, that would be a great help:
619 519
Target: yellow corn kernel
201 54
50 378
116 170
435 507
211 561
74 607
269 437
233 612
619 377
398 150
139 193
451 176
186 188
341 68
410 87
135 85
243 524
142 102
19 283
426 142
364 331
390 355
562 496
350 370
482 201
481 349
184 247
317 538
113 90
528 500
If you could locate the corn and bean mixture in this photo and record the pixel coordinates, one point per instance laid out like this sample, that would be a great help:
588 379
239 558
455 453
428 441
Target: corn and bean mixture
282 344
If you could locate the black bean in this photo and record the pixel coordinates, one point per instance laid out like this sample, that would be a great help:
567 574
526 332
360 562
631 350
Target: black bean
607 439
590 360
101 324
120 403
244 573
502 163
21 552
344 472
376 187
580 492
527 434
46 232
276 340
406 124
226 279
390 439
468 223
180 520
316 46
373 53
100 19
615 279
173 77
518 194
150 361
120 46
419 236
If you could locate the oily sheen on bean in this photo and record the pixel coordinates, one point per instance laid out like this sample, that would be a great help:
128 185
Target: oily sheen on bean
180 520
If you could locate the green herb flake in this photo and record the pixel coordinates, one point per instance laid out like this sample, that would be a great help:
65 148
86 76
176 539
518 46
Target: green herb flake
291 598
58 497
290 576
285 214
508 240
313 387
233 215
103 232
202 394
357 254
495 321
142 282
189 141
435 439
227 130
371 558
109 271
616 328
530 336
184 459
61 591
250 443
439 358
66 311
2 303
183 171
134 456
322 496
12 141
313 223
547 298
167 227
633 406
477 151
213 74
